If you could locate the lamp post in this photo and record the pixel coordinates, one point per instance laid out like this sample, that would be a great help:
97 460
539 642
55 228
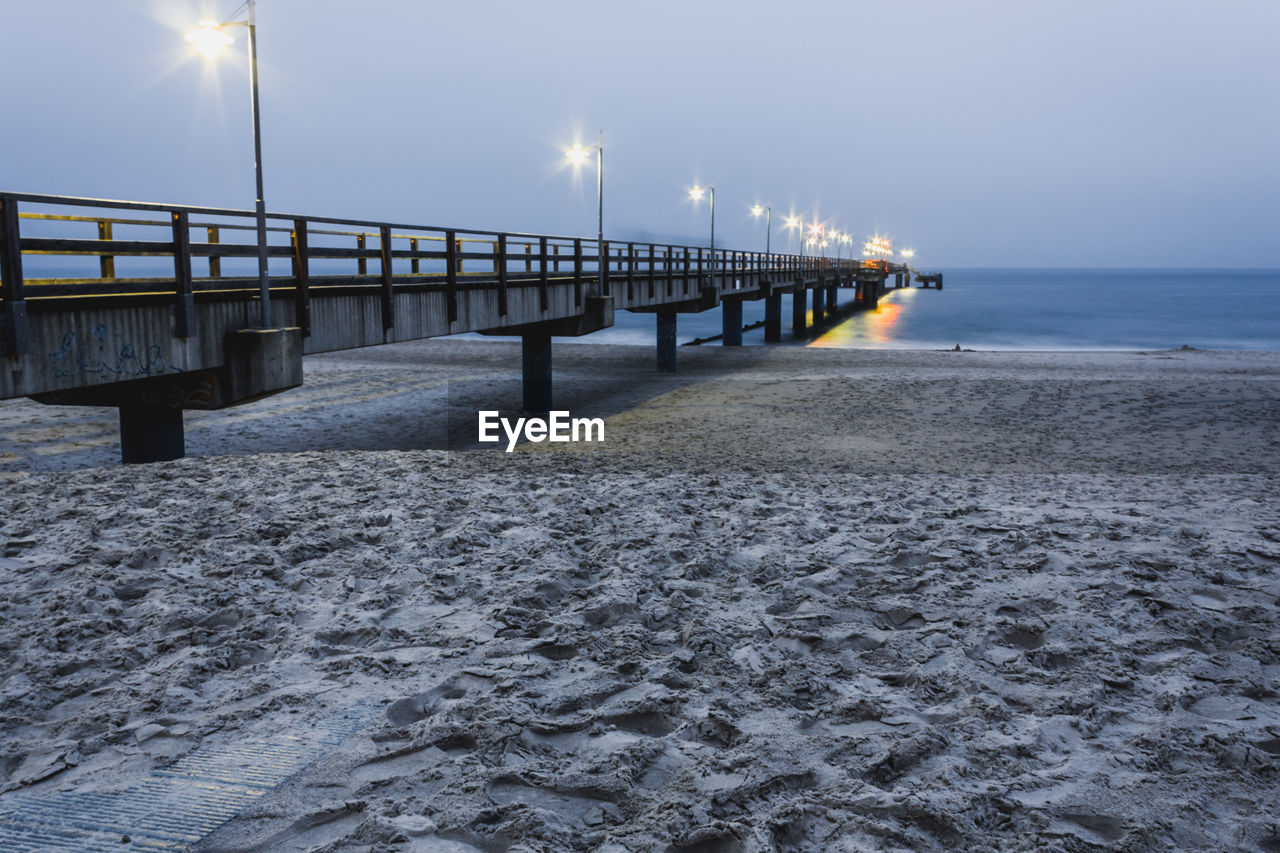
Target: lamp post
791 223
768 223
577 156
696 194
210 39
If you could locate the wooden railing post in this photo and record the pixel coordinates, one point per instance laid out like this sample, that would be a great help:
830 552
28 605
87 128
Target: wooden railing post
458 252
302 277
184 308
528 257
602 267
577 272
652 261
631 271
362 266
106 263
686 270
500 265
215 262
388 294
13 307
452 265
414 266
543 296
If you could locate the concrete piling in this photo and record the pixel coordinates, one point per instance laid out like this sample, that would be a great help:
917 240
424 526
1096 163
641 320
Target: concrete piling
666 339
535 351
731 322
773 317
799 311
151 432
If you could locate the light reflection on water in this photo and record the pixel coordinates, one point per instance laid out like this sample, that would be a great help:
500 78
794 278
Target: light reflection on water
1029 310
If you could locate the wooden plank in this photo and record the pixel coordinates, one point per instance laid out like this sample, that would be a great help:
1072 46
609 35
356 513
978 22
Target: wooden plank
451 274
13 308
388 294
302 276
184 308
500 265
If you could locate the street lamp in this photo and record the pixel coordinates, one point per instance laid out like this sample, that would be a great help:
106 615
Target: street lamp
696 194
792 223
577 156
768 223
209 39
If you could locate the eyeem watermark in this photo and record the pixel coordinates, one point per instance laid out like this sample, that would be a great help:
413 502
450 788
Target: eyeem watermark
557 426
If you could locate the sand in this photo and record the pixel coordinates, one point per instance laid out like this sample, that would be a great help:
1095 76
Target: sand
799 600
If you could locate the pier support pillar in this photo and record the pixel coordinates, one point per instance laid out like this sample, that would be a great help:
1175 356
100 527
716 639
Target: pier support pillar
833 296
535 351
666 340
151 432
773 318
731 322
819 304
799 311
897 280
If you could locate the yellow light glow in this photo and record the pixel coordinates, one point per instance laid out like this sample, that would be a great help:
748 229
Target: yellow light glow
908 253
577 154
697 193
209 38
757 210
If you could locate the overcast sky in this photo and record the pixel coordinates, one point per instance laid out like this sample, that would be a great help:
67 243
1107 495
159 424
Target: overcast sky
1011 133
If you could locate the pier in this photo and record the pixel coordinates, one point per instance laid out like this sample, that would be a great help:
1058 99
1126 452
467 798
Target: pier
164 312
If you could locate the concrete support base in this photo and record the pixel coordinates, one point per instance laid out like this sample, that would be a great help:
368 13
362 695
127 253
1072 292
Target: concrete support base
151 432
666 340
731 315
535 351
819 305
799 311
773 317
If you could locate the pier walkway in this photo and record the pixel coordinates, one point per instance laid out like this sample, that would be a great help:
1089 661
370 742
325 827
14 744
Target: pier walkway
155 308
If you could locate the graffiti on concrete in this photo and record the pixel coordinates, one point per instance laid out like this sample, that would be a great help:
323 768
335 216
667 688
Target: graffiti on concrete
115 357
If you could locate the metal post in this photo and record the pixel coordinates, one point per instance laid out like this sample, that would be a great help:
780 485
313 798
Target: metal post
713 234
264 288
600 208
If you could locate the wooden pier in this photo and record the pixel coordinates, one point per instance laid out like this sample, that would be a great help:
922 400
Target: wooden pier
160 315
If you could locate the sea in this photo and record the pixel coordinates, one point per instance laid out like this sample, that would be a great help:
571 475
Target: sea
1027 309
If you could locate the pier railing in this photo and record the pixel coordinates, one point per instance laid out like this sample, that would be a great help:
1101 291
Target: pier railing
57 249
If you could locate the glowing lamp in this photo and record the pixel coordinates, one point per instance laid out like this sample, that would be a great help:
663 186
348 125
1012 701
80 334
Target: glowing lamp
209 38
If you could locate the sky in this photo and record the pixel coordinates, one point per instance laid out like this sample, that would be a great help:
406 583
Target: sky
984 132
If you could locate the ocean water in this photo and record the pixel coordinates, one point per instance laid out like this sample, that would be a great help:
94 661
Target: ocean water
1030 309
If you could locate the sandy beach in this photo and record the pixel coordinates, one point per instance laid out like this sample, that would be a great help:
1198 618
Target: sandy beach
798 600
